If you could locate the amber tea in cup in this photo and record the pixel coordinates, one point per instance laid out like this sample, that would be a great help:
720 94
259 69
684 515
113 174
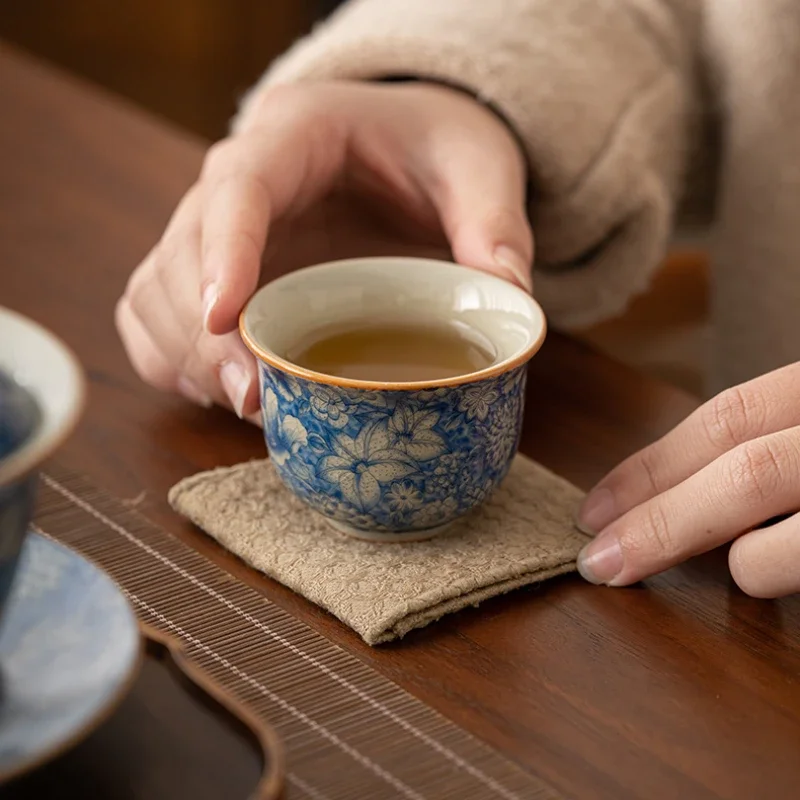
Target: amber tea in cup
393 353
392 389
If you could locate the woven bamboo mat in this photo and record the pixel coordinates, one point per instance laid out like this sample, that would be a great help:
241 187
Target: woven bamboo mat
349 733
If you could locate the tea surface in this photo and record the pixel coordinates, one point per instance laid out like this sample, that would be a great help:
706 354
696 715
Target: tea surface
393 353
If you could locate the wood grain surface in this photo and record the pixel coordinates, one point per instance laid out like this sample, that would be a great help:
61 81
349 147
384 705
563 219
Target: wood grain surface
682 687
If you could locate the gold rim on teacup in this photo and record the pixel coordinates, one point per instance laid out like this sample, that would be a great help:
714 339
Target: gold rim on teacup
497 368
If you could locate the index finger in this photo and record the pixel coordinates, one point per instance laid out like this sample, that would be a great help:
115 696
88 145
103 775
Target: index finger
762 406
249 181
235 220
741 489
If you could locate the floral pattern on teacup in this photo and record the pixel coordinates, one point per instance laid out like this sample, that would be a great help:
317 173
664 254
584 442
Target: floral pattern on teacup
392 461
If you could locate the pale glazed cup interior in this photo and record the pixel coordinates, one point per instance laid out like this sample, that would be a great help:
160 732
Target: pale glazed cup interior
388 461
394 291
41 364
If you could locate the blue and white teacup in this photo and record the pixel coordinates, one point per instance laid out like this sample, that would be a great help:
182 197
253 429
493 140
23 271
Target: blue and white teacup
392 461
41 399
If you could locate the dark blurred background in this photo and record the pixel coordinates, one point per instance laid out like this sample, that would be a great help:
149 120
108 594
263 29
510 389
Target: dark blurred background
186 60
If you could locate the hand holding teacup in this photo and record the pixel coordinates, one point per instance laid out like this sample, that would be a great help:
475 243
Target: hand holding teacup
408 165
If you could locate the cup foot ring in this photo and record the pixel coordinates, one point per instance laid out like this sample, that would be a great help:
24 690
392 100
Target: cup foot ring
382 537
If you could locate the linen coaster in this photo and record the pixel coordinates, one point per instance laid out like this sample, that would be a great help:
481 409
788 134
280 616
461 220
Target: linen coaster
524 533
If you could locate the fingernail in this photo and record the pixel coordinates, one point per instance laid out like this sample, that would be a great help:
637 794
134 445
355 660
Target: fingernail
510 260
191 391
601 560
598 511
210 300
236 381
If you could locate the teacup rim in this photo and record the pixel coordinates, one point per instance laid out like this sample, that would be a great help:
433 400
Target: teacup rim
41 445
477 376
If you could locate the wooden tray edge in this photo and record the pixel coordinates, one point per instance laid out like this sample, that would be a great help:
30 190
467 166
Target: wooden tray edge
168 649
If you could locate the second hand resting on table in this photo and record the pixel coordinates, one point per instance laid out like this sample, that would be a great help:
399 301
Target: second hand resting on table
297 176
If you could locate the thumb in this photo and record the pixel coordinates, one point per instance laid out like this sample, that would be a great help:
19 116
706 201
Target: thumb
482 210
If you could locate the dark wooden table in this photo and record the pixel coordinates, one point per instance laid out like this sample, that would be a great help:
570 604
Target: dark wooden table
681 688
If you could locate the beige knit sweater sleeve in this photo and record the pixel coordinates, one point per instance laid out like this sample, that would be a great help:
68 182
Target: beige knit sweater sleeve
601 93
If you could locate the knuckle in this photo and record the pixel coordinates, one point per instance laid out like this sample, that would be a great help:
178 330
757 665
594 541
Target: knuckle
507 223
299 100
153 371
648 467
733 417
511 227
136 288
200 359
139 290
305 107
120 322
657 532
219 158
503 218
145 359
287 95
756 470
189 362
168 252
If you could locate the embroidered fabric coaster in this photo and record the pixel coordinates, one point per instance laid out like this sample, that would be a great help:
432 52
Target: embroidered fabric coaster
525 533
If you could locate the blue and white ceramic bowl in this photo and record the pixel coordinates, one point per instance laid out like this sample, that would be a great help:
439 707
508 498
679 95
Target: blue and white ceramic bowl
41 398
392 461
